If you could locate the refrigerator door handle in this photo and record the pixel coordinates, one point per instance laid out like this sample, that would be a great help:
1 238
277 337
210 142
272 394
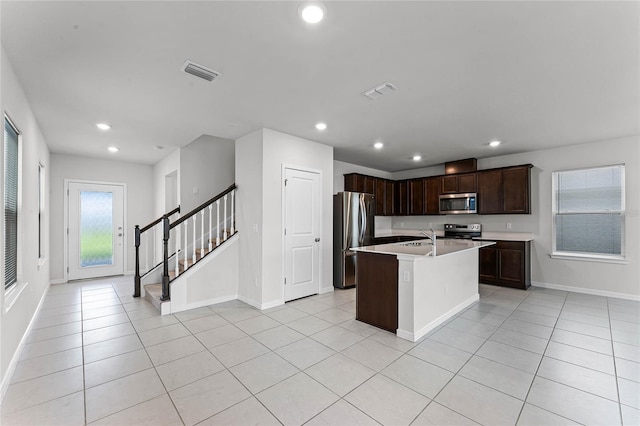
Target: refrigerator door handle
363 215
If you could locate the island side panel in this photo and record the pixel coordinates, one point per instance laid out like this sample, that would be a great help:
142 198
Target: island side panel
377 290
438 288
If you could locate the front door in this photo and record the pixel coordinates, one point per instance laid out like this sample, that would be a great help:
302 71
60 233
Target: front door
302 233
95 230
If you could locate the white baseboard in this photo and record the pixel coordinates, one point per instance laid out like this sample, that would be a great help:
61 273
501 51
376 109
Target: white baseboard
16 355
587 291
58 281
324 290
201 303
414 337
261 306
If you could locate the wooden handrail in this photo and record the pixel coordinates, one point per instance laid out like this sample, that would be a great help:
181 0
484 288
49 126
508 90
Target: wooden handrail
202 206
158 220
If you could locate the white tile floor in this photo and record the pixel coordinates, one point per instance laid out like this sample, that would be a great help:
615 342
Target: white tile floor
542 357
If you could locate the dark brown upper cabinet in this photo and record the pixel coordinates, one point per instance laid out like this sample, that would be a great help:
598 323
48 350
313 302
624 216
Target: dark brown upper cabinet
382 189
432 195
505 191
500 191
401 201
453 184
389 197
355 182
380 195
415 191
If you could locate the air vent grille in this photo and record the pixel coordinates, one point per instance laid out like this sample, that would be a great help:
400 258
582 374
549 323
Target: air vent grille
200 71
379 90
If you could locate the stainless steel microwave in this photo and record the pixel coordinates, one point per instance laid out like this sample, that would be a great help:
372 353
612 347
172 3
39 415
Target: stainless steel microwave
459 203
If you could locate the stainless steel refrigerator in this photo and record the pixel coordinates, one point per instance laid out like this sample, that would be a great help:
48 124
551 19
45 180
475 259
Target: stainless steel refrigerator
352 227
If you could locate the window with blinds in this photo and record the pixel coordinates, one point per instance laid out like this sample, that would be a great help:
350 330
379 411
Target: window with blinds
11 178
589 212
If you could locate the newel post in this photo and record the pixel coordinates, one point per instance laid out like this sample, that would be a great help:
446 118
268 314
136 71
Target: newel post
165 258
136 278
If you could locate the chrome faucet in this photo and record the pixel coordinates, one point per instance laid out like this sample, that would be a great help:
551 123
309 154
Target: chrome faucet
431 236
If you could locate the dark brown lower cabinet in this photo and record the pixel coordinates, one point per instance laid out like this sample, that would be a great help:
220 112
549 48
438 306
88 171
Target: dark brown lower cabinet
507 263
377 290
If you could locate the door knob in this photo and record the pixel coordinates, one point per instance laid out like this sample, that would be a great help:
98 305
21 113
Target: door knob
120 235
317 240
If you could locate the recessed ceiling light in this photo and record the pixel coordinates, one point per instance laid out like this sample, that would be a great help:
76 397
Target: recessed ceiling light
493 144
321 126
378 145
417 157
103 126
312 12
113 149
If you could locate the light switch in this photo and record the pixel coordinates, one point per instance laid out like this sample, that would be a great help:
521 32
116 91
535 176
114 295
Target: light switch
406 276
195 190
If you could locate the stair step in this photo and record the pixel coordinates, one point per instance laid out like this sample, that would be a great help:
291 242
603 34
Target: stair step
153 292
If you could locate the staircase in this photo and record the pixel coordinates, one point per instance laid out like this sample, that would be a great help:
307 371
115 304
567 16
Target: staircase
186 241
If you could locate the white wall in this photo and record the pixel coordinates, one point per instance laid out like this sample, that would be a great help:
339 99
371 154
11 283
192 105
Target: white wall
15 322
169 164
140 203
260 158
248 161
208 165
282 149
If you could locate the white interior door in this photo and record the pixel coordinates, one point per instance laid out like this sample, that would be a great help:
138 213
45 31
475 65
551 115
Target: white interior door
302 233
95 230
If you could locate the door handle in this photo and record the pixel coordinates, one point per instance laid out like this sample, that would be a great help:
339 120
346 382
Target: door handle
120 235
317 240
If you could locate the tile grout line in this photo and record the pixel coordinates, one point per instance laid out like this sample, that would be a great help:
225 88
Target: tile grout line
615 366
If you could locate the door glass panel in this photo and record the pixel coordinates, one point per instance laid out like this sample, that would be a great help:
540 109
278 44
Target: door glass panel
96 228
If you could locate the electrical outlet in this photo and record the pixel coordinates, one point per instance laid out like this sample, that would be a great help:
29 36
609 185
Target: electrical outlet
255 227
195 190
406 277
430 225
508 225
401 224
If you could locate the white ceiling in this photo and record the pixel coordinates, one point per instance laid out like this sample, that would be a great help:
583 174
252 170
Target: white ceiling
532 74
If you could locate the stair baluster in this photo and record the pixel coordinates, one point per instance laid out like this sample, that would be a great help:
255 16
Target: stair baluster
210 228
193 243
218 223
224 230
202 233
186 244
233 214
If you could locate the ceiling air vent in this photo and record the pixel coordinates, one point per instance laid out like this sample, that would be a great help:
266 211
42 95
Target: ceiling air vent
379 90
200 71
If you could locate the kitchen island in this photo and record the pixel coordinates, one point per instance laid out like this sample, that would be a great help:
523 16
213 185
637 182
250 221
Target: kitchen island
410 288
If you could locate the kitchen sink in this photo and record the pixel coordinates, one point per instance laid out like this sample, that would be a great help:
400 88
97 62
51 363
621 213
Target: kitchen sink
416 244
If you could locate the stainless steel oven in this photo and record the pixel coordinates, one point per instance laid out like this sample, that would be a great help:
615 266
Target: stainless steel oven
465 232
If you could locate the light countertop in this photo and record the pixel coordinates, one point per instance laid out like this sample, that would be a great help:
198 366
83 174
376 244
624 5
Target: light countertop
424 248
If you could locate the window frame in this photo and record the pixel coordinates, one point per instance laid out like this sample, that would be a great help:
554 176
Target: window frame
11 123
13 291
587 256
42 200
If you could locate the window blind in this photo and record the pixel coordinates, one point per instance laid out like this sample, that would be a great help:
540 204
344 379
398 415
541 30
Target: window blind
589 210
10 204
